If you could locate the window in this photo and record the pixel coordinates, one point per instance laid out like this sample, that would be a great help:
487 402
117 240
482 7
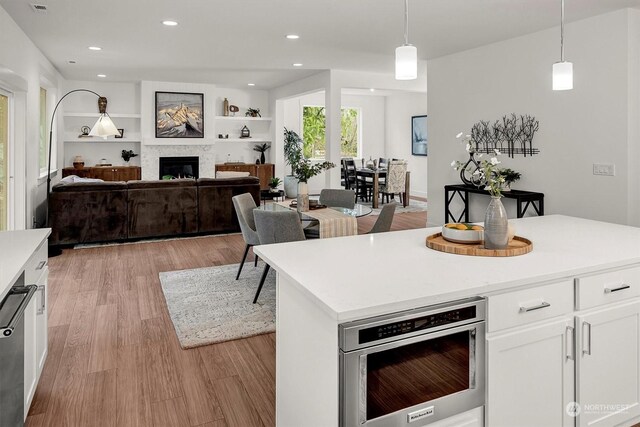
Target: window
313 132
4 160
42 157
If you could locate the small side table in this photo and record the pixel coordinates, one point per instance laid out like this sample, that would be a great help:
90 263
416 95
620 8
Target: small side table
271 195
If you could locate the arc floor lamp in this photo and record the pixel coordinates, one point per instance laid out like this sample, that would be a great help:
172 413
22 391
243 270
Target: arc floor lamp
104 127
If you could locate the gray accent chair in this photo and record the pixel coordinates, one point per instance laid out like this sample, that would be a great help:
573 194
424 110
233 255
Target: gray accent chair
338 198
276 227
244 206
383 223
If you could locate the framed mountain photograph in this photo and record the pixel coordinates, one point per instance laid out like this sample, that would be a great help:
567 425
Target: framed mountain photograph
179 115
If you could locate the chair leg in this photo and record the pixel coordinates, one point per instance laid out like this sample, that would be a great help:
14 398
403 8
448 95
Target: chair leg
255 260
244 257
262 279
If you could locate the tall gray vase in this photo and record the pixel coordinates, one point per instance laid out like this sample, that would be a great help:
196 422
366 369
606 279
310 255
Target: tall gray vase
496 225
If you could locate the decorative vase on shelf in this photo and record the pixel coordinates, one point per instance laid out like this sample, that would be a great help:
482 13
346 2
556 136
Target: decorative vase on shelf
303 197
496 225
225 107
262 158
78 162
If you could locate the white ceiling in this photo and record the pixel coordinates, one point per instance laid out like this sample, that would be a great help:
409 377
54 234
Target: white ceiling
233 42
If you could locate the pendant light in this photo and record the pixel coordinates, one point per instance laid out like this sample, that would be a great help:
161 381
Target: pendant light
563 70
406 55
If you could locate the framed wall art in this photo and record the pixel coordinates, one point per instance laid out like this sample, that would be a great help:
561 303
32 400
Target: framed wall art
179 115
419 135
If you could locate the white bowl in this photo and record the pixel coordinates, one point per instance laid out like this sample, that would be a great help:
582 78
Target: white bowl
462 236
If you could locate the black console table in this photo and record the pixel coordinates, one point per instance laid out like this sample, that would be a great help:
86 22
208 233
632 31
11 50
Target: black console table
524 200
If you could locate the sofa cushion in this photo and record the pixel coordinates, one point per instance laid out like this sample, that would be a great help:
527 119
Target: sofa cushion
216 213
161 183
65 187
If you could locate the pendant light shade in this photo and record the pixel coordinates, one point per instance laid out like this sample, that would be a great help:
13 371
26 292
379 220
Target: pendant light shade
104 127
563 70
563 76
406 55
406 62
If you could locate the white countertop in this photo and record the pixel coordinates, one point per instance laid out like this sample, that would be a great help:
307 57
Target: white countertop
367 275
16 247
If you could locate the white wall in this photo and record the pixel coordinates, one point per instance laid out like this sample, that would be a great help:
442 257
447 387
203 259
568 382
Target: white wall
372 109
590 124
400 107
23 69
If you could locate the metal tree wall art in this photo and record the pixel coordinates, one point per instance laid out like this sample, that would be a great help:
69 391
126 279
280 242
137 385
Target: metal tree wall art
511 135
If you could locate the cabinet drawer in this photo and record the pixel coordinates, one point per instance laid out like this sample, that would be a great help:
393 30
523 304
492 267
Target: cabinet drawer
36 265
605 288
529 305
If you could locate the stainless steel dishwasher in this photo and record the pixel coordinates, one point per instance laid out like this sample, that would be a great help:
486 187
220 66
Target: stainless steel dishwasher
12 354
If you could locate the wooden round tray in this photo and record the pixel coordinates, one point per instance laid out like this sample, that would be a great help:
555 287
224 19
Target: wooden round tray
518 246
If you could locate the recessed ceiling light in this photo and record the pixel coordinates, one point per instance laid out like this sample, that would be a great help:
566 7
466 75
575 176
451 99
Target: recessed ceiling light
372 90
297 64
251 84
169 23
102 76
94 48
292 36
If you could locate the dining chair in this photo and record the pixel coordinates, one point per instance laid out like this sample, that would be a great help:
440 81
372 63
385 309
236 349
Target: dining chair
383 163
244 205
349 173
338 198
276 227
385 219
396 179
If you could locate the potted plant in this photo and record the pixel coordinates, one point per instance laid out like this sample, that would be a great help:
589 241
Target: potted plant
128 155
253 112
509 176
274 183
292 156
261 148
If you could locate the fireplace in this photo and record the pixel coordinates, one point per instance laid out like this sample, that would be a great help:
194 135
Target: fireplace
179 167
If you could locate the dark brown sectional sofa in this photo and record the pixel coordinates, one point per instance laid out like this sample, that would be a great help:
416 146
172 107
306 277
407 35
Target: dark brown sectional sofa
115 211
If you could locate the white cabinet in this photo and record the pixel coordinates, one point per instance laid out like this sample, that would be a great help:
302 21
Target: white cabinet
42 335
531 375
30 365
608 359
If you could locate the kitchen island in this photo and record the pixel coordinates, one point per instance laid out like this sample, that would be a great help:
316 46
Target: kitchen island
582 345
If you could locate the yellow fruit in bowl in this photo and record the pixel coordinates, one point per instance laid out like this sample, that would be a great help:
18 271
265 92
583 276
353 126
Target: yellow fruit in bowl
461 227
450 225
477 227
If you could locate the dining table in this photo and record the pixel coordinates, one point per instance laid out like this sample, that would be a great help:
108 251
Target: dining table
375 175
332 221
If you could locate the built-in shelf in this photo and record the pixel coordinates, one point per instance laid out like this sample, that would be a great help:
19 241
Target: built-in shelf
242 140
181 141
98 140
244 118
112 115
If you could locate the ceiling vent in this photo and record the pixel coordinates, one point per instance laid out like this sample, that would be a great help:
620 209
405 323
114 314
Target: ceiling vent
39 8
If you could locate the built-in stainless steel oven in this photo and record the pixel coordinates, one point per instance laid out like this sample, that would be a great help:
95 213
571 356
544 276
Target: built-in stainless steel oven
414 367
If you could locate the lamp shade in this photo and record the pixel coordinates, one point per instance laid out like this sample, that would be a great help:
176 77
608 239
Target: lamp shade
104 127
406 62
563 75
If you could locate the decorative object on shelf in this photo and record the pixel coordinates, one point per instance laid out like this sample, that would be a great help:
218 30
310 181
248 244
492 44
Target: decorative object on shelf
468 170
292 155
262 148
253 112
510 176
78 162
563 70
179 115
225 107
120 134
128 155
406 55
257 161
84 132
220 136
234 109
245 132
419 135
274 183
104 127
103 162
512 135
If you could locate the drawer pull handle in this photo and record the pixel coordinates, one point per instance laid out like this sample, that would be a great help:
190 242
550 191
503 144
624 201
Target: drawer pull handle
41 265
570 344
588 349
619 288
43 303
542 305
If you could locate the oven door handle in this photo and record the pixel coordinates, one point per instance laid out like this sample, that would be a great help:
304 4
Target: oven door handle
29 290
362 389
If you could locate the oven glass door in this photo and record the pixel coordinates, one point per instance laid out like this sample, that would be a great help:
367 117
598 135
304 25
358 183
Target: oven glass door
405 376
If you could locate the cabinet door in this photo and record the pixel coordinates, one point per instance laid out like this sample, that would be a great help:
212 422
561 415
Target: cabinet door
42 337
265 173
530 376
103 173
608 383
30 354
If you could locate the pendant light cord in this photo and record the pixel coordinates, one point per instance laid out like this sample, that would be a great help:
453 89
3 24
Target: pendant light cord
406 22
561 30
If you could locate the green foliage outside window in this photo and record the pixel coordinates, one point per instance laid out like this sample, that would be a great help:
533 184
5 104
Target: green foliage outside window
313 132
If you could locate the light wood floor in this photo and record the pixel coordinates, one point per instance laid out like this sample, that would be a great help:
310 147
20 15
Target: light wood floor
114 359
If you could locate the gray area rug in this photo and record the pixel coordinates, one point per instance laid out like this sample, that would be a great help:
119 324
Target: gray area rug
414 206
207 305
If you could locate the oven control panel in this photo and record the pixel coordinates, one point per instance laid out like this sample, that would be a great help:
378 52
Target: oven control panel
429 321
